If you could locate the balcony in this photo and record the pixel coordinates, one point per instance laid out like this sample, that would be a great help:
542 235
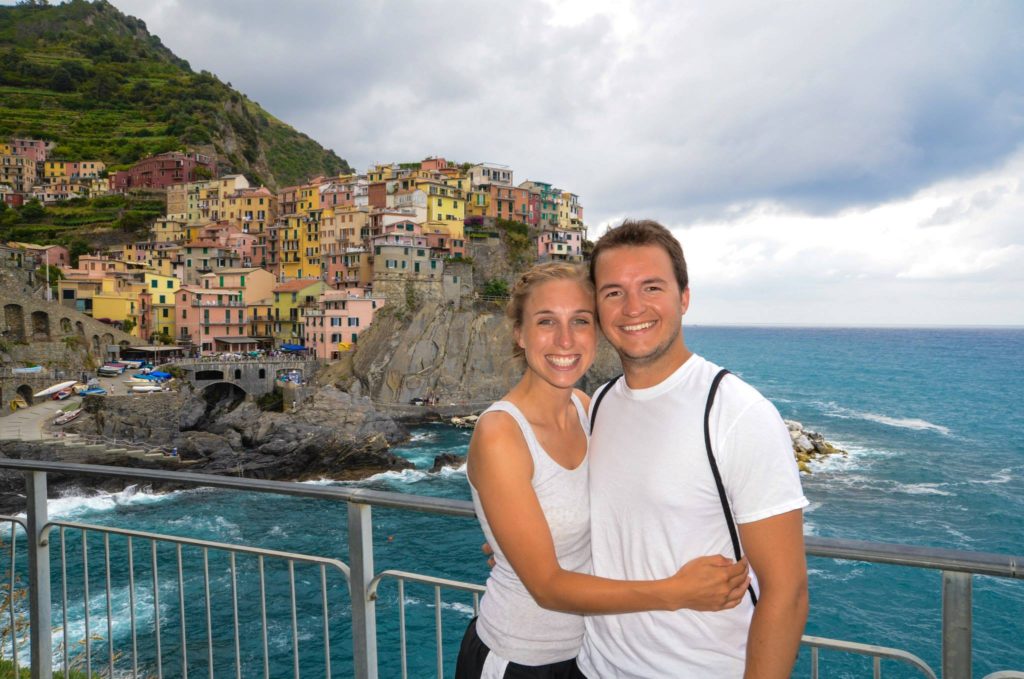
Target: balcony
292 595
215 303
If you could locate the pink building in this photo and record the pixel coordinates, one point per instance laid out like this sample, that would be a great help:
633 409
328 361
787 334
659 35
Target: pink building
212 320
560 245
334 326
30 148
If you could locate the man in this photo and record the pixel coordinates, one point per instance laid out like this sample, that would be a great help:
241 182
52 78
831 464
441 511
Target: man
654 502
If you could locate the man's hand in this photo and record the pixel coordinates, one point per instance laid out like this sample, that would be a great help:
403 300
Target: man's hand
486 549
709 583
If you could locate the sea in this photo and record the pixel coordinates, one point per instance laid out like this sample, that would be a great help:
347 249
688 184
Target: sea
932 419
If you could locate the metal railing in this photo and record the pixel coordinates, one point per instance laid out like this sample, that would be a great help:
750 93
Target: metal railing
361 580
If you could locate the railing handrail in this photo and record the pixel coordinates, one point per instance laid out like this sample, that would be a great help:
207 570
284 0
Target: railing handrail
935 558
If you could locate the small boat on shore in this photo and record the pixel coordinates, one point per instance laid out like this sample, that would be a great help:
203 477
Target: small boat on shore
146 388
54 389
94 391
67 416
27 371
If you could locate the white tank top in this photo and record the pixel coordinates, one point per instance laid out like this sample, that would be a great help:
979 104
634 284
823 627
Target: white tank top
511 623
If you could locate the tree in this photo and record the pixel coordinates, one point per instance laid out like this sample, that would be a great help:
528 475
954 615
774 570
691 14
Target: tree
33 211
496 287
128 324
51 273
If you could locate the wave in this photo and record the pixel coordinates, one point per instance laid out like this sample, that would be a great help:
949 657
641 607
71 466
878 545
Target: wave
914 423
1002 476
922 489
76 505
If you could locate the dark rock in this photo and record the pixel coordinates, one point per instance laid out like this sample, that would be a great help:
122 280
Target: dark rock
447 460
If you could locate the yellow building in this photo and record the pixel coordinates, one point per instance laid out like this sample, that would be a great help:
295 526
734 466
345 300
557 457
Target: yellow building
55 172
169 230
290 299
118 300
162 291
446 207
261 317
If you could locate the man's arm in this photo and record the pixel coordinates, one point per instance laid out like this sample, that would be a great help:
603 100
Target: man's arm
775 549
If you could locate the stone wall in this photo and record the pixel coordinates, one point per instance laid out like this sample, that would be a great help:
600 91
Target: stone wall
40 332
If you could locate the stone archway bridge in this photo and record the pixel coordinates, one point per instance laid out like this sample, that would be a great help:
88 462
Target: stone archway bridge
255 377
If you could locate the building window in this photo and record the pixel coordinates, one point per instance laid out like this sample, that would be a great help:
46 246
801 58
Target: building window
153 283
164 313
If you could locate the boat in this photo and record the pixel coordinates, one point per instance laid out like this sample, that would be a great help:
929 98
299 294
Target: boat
146 388
67 416
54 389
27 371
111 369
18 402
95 391
132 365
62 394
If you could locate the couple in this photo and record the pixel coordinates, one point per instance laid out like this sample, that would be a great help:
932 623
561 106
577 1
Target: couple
643 503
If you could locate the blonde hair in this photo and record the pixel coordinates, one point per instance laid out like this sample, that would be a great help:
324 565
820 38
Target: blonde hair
530 280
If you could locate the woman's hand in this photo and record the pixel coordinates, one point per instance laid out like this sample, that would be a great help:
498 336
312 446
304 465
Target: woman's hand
708 583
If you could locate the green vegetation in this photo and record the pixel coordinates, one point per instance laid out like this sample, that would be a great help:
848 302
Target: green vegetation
97 83
71 222
496 287
516 237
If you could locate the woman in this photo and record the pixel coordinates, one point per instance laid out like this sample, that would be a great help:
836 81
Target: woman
528 474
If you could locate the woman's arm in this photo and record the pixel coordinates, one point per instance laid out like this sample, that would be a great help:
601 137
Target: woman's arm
501 470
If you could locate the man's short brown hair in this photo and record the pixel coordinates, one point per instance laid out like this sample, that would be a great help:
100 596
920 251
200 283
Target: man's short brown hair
642 232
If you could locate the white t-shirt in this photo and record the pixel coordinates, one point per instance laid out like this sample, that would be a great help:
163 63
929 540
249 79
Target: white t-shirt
654 506
511 623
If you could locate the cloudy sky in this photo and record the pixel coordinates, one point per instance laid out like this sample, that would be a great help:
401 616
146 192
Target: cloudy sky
823 163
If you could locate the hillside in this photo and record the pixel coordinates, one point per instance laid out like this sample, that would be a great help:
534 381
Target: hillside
96 82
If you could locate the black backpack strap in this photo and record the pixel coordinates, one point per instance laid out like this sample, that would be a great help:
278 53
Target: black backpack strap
600 397
718 476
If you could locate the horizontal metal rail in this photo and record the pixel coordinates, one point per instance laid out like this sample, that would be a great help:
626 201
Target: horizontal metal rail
957 567
877 653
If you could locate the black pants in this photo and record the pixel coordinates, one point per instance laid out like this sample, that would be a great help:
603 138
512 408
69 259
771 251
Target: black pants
473 653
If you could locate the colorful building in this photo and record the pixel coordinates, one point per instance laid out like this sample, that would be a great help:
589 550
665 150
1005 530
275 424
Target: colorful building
334 325
290 298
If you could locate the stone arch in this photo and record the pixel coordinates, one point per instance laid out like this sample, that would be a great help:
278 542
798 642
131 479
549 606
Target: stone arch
26 392
124 344
65 326
107 339
238 373
14 318
80 329
203 375
263 373
96 345
40 326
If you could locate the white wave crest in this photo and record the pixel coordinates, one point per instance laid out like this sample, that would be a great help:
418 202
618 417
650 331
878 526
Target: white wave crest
1002 476
914 423
922 489
77 505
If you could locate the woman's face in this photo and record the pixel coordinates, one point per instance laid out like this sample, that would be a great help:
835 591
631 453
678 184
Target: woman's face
558 332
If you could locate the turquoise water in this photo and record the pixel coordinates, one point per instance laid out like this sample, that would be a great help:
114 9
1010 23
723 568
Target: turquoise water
932 420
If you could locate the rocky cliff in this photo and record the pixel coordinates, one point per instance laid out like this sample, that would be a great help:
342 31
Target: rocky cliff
458 355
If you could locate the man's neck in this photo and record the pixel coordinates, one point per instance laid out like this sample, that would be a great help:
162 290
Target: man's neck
643 374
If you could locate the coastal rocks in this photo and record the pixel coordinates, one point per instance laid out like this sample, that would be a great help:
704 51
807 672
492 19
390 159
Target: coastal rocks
809 445
450 460
330 434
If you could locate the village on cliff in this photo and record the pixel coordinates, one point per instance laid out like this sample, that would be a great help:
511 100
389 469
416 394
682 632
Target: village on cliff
236 268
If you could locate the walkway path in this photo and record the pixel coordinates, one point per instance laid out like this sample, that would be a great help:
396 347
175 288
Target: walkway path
27 423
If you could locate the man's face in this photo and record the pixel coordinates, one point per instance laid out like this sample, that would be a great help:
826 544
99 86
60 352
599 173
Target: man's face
639 303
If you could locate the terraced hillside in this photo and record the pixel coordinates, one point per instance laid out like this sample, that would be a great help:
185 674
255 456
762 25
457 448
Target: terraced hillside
95 81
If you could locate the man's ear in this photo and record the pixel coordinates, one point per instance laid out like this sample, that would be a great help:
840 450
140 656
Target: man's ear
684 300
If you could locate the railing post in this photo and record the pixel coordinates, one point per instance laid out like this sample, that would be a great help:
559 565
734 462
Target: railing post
40 632
364 611
956 625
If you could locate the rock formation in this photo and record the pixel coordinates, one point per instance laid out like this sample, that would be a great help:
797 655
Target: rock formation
809 445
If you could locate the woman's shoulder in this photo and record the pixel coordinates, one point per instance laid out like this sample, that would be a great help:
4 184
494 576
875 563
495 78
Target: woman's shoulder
583 397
